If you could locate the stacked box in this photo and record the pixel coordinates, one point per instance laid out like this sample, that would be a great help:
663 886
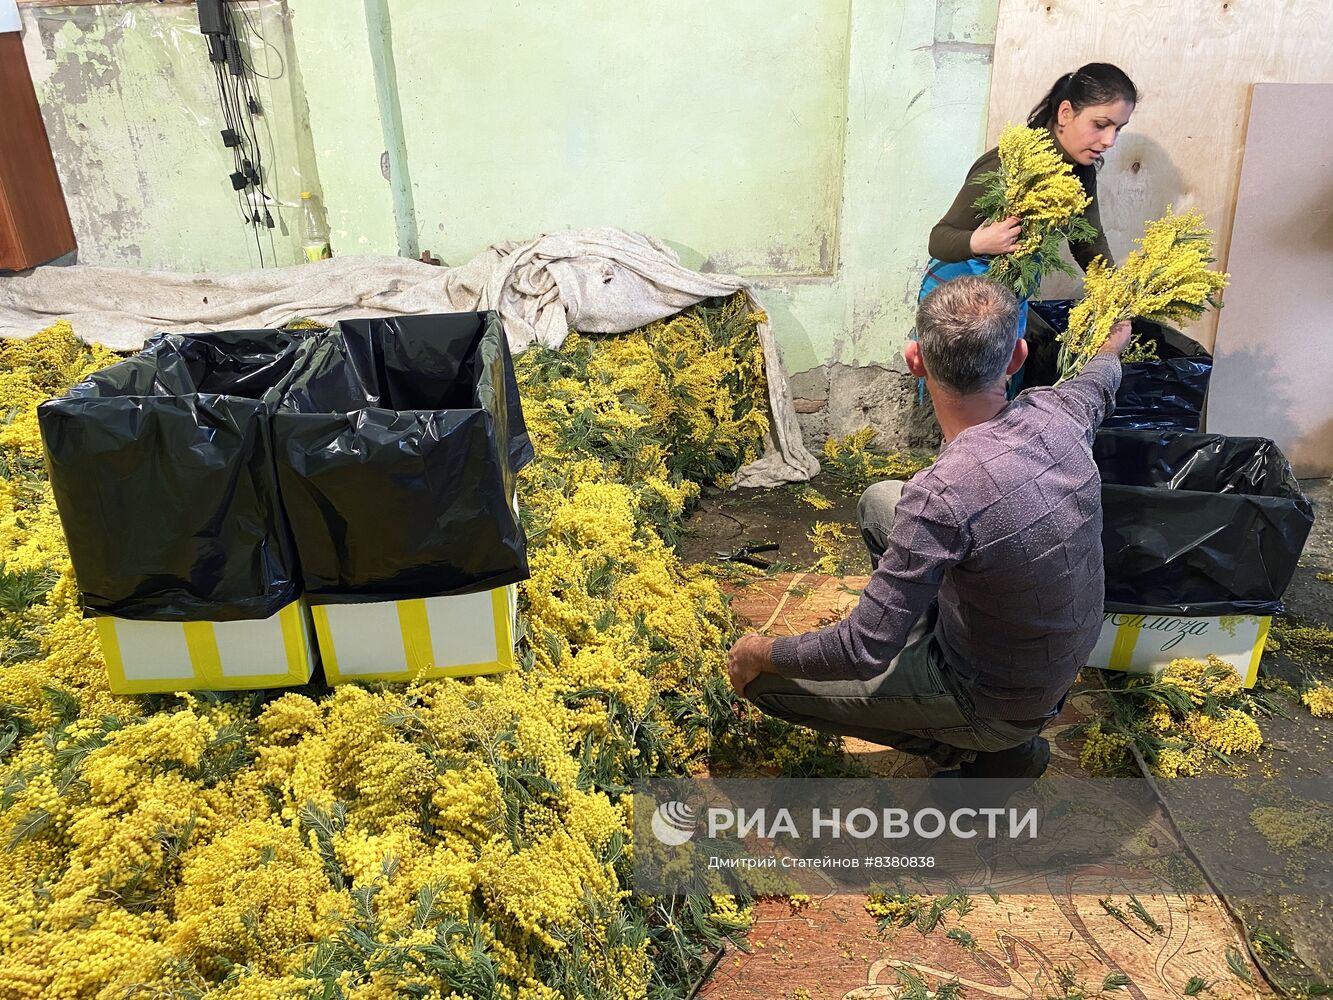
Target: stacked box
148 657
162 469
284 493
1201 535
398 458
458 636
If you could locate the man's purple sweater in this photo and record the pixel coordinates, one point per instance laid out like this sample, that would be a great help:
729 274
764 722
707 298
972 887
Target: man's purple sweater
1005 528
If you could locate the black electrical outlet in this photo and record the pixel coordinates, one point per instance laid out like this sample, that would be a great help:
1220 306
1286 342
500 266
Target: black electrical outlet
235 64
213 18
239 181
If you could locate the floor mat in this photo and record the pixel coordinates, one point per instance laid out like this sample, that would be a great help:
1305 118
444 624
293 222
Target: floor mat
1016 947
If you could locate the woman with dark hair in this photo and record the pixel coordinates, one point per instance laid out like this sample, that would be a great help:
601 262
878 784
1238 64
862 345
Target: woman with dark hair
1084 112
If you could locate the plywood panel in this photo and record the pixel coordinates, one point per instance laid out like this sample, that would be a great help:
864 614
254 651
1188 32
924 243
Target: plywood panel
1275 338
1193 62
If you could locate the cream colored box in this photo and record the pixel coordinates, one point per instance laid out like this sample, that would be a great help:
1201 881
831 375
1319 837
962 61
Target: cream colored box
457 636
160 657
1147 643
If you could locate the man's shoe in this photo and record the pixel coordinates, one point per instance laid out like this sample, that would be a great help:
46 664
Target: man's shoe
1025 762
989 781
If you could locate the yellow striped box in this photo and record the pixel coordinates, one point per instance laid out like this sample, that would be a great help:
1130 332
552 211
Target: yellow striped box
1147 643
160 657
458 636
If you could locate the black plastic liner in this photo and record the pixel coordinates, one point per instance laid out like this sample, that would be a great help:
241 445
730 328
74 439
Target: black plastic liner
1198 524
1168 394
398 445
163 472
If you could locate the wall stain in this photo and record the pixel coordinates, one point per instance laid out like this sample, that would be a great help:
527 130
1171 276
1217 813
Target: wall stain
81 73
132 116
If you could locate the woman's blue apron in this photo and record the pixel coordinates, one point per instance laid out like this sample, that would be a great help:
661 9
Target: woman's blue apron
937 273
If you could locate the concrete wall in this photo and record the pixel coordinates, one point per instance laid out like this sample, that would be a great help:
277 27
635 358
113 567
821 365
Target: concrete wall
131 110
810 146
333 51
918 79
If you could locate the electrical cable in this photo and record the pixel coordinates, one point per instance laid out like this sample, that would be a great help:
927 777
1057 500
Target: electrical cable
247 169
230 121
252 166
235 150
229 51
245 117
1209 878
227 116
245 193
246 122
282 63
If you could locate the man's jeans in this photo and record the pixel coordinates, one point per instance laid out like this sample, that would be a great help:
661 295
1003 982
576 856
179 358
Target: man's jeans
917 705
874 512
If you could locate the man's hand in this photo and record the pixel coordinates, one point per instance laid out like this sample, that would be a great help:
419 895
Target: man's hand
998 237
1118 339
750 657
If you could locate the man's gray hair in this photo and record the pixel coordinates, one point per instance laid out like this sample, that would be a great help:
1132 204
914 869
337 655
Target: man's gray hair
967 328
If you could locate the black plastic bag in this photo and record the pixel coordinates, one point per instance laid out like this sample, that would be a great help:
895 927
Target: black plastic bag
1198 524
162 470
1045 323
398 447
1167 394
1055 312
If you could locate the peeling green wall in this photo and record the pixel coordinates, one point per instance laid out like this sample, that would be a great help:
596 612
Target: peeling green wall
132 114
919 80
334 54
810 146
918 83
717 131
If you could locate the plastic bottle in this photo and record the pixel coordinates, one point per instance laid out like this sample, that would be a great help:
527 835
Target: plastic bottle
314 236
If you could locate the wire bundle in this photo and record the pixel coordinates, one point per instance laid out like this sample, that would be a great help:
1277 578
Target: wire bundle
228 38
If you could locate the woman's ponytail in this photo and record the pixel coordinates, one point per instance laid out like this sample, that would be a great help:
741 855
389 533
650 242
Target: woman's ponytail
1095 83
1044 113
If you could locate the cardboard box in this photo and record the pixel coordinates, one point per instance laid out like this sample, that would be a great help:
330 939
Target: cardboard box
160 657
457 636
1147 643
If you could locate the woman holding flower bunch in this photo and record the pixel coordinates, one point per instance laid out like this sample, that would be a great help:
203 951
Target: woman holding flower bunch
1083 114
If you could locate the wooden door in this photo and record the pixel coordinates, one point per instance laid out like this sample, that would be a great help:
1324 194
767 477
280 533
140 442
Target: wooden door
34 223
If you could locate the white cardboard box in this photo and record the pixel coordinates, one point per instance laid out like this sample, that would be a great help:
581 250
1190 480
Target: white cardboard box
160 657
458 636
1147 643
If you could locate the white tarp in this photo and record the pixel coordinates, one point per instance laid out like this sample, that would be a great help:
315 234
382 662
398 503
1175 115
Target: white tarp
594 280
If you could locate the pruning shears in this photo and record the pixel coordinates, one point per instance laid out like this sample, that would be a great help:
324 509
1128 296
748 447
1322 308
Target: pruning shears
746 554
